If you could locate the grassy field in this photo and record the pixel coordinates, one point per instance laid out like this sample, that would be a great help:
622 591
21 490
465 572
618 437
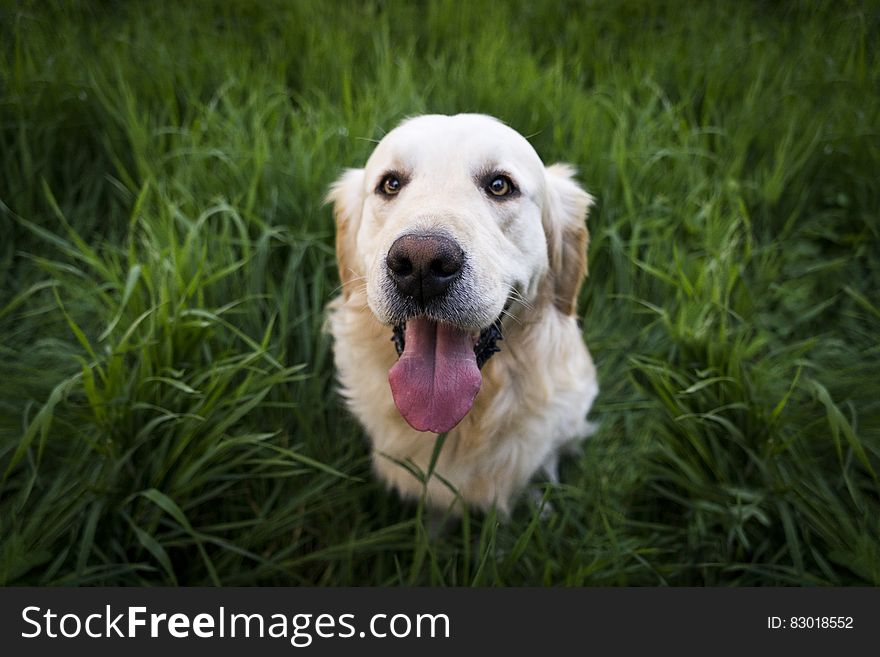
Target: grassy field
167 404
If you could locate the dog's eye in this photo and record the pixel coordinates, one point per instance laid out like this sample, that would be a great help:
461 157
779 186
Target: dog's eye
390 185
500 186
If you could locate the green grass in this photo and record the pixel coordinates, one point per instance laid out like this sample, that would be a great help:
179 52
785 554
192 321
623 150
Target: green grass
167 405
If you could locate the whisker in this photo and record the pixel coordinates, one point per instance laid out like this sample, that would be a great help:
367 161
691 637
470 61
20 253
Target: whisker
518 296
354 279
513 318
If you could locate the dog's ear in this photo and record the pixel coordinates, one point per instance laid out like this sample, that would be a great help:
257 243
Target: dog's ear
346 195
565 214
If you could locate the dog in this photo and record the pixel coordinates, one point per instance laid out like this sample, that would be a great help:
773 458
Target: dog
461 257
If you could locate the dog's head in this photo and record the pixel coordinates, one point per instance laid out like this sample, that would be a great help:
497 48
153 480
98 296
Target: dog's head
453 222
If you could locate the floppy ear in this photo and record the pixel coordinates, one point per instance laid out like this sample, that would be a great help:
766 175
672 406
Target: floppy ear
346 195
565 215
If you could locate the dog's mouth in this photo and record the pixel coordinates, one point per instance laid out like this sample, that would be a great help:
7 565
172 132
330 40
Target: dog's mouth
437 377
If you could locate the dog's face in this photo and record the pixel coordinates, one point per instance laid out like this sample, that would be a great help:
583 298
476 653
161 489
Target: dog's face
453 221
468 180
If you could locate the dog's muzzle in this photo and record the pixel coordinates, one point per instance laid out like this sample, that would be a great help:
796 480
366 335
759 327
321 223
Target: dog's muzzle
437 374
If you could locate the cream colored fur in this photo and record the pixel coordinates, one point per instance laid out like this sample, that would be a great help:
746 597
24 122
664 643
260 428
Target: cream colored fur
530 249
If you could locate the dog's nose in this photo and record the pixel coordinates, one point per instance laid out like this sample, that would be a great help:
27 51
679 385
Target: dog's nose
424 265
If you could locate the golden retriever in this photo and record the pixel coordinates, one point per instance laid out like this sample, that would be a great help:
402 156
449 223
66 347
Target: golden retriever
461 256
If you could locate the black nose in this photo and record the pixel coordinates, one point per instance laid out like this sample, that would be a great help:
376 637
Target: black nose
424 265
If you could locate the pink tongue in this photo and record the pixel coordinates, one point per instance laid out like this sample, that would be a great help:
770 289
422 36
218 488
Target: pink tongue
436 378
